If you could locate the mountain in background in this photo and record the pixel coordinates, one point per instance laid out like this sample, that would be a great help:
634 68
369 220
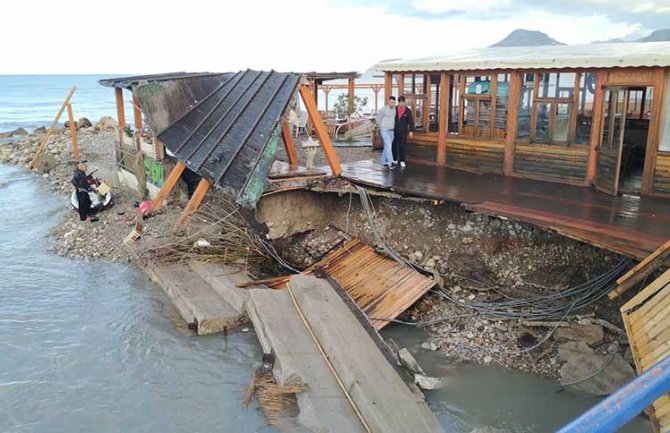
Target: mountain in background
526 38
657 36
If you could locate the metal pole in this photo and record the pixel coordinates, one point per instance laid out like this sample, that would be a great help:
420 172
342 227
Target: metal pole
618 409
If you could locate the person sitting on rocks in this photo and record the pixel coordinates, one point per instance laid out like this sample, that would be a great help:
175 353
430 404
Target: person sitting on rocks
80 182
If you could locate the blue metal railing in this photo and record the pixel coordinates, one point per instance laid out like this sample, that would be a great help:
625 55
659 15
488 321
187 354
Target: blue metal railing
630 400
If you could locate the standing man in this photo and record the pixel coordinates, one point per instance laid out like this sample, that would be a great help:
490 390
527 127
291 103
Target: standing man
386 123
404 126
82 186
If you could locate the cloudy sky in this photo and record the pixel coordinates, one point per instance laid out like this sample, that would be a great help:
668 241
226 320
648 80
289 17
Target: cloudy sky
141 36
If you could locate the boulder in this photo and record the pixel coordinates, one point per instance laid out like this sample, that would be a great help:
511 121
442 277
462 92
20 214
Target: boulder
20 131
67 124
40 130
7 134
612 373
590 334
409 362
566 350
429 383
106 122
84 123
45 162
429 345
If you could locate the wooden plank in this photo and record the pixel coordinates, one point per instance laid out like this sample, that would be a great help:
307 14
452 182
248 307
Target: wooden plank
195 300
137 116
289 144
160 149
167 188
321 132
388 85
73 132
596 126
647 292
350 91
444 119
52 127
323 406
193 204
384 400
641 270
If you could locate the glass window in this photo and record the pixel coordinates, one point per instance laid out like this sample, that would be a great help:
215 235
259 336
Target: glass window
477 85
502 104
587 90
525 107
454 103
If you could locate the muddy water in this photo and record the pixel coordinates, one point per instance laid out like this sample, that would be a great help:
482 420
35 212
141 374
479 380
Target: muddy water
88 347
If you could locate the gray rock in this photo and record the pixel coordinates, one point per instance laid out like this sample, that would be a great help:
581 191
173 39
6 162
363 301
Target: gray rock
429 383
429 345
409 362
84 123
590 334
566 350
615 373
40 130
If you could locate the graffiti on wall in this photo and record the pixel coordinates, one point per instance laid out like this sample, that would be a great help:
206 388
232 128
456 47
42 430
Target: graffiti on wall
154 171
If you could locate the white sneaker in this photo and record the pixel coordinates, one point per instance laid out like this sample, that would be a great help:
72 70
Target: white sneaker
402 164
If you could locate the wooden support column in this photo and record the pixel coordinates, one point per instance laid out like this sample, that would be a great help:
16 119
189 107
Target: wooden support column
53 125
376 89
193 204
443 121
289 144
388 85
351 89
167 188
137 117
401 85
654 137
73 132
160 149
596 122
427 102
513 100
120 112
321 132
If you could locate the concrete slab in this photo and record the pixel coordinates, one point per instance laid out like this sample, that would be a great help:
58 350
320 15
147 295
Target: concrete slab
323 407
223 279
385 401
195 300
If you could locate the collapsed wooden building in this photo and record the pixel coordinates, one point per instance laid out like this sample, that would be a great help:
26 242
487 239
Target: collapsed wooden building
585 115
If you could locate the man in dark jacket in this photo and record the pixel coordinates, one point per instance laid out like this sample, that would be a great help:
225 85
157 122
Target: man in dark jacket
404 127
83 187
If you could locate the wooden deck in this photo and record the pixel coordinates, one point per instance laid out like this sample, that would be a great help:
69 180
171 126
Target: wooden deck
626 225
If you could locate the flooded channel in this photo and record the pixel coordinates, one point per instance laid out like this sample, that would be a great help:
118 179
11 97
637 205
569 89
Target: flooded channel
87 347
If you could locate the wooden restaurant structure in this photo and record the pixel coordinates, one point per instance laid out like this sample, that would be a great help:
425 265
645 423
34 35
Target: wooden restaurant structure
582 115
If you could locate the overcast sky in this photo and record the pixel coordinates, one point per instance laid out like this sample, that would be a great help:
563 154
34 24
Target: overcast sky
140 36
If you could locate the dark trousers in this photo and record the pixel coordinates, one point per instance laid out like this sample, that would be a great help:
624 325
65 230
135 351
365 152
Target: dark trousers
399 147
84 202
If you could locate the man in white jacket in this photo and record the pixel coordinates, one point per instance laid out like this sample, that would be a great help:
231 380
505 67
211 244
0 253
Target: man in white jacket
386 124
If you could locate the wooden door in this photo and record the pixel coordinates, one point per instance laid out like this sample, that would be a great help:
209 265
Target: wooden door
610 146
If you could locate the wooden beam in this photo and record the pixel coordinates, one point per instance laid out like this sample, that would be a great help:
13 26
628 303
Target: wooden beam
52 127
401 85
443 120
137 117
321 132
289 144
120 110
513 104
493 91
351 90
533 115
427 102
388 85
596 126
642 270
574 109
193 204
73 132
461 102
160 149
167 188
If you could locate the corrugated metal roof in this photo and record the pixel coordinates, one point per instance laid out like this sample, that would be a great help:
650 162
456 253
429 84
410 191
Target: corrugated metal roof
133 80
223 137
605 55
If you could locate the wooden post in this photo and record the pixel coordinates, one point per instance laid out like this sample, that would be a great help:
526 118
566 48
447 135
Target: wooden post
596 122
52 127
137 116
160 149
193 204
321 132
120 112
514 98
443 121
376 88
350 109
289 144
427 102
73 133
168 186
388 85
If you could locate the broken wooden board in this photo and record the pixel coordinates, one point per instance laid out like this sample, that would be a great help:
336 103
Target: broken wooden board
642 270
195 299
386 403
382 288
323 406
647 320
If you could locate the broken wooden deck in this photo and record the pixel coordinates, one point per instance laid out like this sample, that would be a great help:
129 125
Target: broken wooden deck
318 341
627 225
205 294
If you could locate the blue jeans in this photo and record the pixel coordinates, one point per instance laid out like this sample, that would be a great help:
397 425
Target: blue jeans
387 152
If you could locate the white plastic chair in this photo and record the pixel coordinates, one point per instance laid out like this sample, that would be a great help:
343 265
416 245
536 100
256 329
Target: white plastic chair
301 125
